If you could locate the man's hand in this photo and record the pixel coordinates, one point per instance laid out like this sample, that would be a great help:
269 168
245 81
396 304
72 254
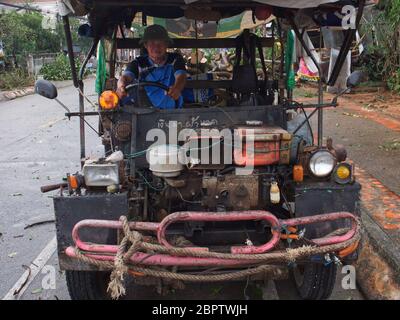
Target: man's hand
121 91
122 82
175 91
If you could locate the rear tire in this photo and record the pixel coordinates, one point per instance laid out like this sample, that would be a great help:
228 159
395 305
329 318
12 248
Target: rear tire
88 285
314 281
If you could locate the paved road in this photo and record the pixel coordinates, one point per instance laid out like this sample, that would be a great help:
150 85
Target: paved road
38 147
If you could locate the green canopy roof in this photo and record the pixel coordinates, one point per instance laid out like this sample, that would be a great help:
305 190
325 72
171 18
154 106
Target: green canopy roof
185 28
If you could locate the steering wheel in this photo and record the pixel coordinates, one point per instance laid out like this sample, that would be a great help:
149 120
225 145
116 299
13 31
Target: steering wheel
146 84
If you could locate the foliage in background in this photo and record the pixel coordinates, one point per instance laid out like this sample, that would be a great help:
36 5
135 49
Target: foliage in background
382 61
22 33
59 69
15 79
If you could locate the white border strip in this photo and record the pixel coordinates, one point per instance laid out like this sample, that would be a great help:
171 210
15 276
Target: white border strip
35 268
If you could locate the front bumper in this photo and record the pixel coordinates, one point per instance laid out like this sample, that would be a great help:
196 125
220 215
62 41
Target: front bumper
83 221
239 256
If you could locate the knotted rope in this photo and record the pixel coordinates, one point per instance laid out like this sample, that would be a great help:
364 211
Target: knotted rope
262 262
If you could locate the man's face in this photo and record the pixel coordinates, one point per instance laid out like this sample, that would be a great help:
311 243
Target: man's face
156 48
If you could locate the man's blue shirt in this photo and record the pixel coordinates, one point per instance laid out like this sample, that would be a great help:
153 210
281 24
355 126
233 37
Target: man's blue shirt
144 69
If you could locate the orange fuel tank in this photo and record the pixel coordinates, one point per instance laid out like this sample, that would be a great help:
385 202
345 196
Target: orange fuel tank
261 145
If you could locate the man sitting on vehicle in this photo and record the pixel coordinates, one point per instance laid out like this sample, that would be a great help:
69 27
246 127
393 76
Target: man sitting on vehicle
157 66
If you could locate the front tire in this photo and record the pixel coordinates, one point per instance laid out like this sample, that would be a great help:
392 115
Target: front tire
87 285
314 281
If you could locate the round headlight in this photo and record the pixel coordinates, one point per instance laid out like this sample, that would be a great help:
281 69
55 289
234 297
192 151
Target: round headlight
322 163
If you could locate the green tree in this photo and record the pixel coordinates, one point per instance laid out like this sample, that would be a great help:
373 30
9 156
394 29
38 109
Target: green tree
46 40
22 33
383 61
16 36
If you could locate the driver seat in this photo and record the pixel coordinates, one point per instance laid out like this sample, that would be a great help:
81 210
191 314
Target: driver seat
244 80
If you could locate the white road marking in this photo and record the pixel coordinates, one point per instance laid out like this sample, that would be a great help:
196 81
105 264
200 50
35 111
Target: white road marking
51 123
35 267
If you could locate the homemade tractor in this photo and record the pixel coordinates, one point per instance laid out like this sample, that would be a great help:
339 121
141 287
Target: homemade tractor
230 187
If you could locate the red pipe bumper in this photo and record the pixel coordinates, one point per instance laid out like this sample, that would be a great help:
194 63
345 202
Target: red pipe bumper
106 252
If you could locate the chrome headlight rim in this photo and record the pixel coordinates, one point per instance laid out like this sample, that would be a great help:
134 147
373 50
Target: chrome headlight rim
327 173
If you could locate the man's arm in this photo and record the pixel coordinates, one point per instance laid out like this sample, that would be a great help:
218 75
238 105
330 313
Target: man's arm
180 78
176 90
130 73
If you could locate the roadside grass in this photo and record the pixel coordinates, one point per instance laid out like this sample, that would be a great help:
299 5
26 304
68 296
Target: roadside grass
305 92
15 79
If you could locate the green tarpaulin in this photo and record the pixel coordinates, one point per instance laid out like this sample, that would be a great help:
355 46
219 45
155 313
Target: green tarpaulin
101 72
184 28
291 82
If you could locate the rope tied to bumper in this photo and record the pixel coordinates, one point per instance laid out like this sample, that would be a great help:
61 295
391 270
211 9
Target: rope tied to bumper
133 242
116 287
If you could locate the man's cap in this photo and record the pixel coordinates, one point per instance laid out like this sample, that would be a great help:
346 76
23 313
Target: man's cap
155 32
